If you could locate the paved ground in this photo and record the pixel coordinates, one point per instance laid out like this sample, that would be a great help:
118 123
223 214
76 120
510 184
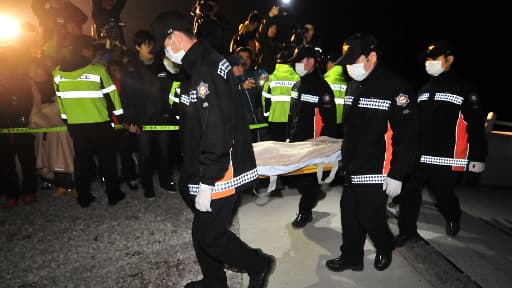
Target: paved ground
146 243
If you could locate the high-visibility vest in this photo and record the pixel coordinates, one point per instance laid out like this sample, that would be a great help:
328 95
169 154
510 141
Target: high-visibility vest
81 94
174 93
278 90
338 85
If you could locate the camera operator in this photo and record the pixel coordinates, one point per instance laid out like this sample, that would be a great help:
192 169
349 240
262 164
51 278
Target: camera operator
210 25
107 19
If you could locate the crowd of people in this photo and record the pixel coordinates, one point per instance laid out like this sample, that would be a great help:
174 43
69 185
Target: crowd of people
181 100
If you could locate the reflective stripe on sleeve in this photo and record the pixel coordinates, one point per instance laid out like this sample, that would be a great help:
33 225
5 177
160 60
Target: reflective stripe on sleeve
443 161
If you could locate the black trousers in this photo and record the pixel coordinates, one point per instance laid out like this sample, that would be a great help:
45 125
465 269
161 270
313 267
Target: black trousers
363 212
215 245
99 139
309 189
127 148
441 183
154 149
277 131
22 145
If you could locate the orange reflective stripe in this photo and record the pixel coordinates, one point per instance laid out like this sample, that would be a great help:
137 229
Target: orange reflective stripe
389 149
461 142
227 177
319 123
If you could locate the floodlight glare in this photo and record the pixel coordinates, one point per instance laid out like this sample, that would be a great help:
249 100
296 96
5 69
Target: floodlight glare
9 28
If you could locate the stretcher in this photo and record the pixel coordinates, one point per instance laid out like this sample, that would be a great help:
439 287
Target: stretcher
315 155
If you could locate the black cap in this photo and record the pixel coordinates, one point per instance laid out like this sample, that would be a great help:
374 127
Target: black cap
167 22
438 48
235 60
361 43
302 52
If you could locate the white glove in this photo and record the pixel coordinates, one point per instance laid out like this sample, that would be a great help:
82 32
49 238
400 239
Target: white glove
392 187
204 198
477 167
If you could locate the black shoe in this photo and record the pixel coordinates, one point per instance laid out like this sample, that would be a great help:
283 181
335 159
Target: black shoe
339 264
382 261
170 187
195 284
114 200
85 201
452 227
301 220
132 184
260 279
402 239
199 284
149 194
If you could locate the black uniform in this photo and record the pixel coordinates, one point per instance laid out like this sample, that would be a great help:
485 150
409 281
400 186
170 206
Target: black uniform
15 106
451 134
379 138
215 137
312 114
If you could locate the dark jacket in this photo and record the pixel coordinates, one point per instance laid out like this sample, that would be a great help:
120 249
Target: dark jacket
379 121
15 94
145 92
101 16
213 126
55 19
451 120
312 98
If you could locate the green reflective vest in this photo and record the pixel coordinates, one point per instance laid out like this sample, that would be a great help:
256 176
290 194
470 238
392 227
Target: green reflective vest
80 94
338 85
277 93
175 88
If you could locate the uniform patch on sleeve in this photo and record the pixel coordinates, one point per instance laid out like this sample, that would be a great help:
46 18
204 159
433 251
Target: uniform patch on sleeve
326 98
202 90
473 98
402 100
223 69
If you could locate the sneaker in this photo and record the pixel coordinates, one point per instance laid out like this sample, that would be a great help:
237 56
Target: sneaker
61 191
10 203
28 198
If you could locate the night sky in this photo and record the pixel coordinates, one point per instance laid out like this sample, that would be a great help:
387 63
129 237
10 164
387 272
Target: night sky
404 29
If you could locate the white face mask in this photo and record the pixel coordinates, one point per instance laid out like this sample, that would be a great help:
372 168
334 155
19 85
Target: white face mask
299 68
175 57
434 68
356 71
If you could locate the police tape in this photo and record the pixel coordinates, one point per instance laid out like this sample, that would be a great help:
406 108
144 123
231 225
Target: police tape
144 128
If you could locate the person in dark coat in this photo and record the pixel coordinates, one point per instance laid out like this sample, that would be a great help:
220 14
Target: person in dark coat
218 159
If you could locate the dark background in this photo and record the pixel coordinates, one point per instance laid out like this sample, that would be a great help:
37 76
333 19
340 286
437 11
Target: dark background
478 30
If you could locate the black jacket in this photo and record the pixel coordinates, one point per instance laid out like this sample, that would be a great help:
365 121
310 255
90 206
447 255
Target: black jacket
451 120
308 94
213 124
145 93
381 104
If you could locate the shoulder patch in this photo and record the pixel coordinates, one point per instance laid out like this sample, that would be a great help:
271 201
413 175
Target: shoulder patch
473 98
223 68
202 90
402 100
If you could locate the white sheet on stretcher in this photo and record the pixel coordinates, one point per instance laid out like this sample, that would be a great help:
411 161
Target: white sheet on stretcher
277 158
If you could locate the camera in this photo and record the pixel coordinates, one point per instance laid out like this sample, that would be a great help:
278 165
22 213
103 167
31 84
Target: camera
297 36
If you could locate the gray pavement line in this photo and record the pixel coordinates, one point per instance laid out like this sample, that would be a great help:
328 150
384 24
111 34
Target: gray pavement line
502 225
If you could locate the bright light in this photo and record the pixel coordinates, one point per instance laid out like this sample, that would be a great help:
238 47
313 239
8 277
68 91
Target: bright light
285 2
9 28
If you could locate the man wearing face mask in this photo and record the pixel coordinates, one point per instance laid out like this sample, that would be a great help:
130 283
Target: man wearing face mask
312 114
451 138
379 128
218 158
